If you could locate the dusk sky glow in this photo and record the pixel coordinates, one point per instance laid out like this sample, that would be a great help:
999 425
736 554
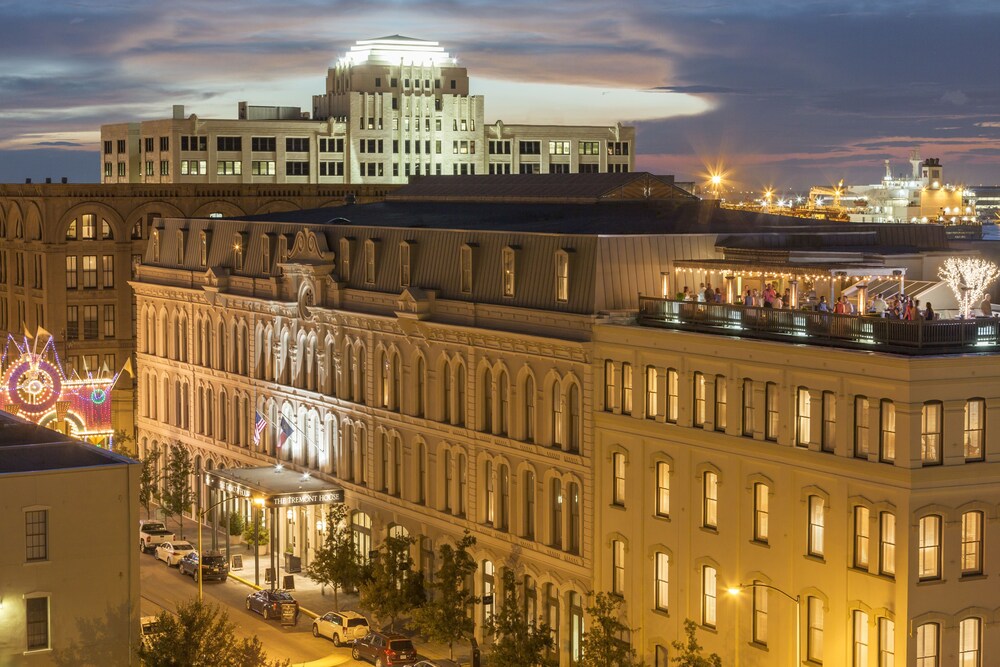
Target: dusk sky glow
781 93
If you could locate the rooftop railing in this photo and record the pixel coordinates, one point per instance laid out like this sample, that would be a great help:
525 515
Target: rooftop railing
809 327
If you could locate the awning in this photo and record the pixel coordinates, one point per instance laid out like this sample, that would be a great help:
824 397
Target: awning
277 485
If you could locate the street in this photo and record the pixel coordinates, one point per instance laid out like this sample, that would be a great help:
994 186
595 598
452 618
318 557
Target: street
164 587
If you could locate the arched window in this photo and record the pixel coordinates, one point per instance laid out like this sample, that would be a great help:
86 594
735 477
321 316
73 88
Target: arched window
504 412
528 396
574 522
396 373
460 382
557 415
421 381
486 403
446 412
422 473
575 427
386 378
106 232
503 506
71 233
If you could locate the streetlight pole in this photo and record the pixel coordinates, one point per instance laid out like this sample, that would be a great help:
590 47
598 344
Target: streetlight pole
797 599
201 520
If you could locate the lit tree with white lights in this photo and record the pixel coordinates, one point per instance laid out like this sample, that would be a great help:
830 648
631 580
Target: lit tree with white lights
968 278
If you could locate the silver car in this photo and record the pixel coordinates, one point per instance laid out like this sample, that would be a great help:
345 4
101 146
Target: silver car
342 627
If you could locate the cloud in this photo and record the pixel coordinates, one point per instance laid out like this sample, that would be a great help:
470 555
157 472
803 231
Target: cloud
57 143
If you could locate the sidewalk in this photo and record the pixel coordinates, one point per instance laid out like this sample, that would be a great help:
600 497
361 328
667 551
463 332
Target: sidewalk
313 599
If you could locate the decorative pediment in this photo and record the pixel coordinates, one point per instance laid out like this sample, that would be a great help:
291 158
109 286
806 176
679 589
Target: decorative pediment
415 303
307 249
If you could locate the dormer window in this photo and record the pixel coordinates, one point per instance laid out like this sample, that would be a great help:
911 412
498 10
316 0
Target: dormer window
265 252
203 238
404 264
156 246
466 268
239 247
507 261
562 276
181 239
369 261
345 258
282 248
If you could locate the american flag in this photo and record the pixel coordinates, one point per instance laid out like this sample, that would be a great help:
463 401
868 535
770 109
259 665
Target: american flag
285 431
258 428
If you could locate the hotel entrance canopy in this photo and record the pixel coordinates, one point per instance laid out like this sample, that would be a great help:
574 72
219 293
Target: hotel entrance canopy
276 485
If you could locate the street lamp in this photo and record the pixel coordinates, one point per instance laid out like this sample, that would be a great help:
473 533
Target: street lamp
797 599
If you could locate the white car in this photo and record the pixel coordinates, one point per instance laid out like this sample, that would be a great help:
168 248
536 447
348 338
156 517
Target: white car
342 627
172 552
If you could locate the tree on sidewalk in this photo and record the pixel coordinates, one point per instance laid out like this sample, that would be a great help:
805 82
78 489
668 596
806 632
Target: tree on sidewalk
689 651
445 617
336 563
149 491
201 635
177 495
123 443
389 587
604 644
517 640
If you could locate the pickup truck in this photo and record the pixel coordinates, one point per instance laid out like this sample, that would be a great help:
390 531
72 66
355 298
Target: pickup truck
151 533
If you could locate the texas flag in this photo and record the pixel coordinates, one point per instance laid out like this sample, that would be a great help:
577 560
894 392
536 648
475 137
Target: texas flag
285 431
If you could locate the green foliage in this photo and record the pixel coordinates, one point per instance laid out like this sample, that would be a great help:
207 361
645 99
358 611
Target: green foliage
201 635
689 651
256 535
336 563
123 443
177 496
389 587
237 524
517 640
603 645
445 617
149 492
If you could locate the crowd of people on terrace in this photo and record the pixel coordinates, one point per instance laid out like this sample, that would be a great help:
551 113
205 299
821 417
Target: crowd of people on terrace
897 306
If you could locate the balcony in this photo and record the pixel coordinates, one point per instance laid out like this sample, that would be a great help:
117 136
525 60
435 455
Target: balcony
808 327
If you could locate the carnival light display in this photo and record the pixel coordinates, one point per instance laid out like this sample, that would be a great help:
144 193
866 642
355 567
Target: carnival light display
35 386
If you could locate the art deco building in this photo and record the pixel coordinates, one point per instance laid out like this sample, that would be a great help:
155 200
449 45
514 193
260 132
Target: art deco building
67 252
475 353
393 107
69 570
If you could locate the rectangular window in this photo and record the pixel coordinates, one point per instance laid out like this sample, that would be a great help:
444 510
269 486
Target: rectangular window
710 501
618 567
90 271
121 169
759 615
164 143
331 168
558 148
930 432
203 248
829 432
369 261
618 472
886 642
296 168
263 144
108 270
229 167
109 321
662 581
164 167
149 144
530 147
975 429
150 170
761 493
652 397
590 148
263 168
627 388
927 645
404 264
107 148
36 535
90 323
817 510
862 527
814 636
861 411
562 276
297 145
748 412
887 544
662 489
860 639
803 417
970 642
699 399
708 596
617 148
887 433
466 269
610 390
194 143
71 277
37 623
771 411
121 145
229 143
720 403
972 543
72 322
929 548
673 395
508 272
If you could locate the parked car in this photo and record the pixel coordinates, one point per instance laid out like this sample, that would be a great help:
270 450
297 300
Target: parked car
341 626
151 534
214 566
385 649
172 552
272 604
149 626
437 662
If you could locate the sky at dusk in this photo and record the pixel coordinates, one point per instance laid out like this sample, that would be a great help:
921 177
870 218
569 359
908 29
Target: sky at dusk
782 93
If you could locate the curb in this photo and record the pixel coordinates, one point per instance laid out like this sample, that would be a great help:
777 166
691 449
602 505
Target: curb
307 612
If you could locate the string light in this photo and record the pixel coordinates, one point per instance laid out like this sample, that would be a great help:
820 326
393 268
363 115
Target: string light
968 278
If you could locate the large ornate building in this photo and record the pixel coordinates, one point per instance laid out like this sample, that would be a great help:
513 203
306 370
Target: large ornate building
394 107
475 354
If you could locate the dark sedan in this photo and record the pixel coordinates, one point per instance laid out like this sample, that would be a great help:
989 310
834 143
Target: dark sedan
274 604
213 567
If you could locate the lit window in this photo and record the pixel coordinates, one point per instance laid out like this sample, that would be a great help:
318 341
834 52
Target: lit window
720 403
972 543
626 388
710 500
886 642
861 447
771 407
699 400
887 543
761 493
816 524
862 517
508 272
556 521
203 249
662 488
618 464
652 397
618 567
970 642
748 407
265 253
975 429
562 276
36 535
760 614
929 548
673 397
930 432
662 580
708 596
814 635
829 421
609 386
927 645
803 417
887 439
860 639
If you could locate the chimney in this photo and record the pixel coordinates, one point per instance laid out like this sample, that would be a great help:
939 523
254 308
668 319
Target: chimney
178 112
